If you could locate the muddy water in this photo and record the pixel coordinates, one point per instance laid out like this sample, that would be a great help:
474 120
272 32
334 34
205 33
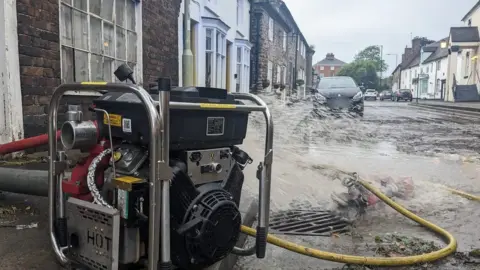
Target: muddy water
392 139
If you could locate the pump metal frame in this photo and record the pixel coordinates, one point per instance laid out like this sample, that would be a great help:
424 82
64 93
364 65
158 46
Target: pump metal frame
160 175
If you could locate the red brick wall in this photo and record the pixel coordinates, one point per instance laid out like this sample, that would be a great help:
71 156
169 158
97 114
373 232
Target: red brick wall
39 49
327 72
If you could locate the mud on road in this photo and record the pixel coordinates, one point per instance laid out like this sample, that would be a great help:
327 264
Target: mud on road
392 139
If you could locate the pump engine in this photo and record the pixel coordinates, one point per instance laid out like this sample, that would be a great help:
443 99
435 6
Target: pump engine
105 221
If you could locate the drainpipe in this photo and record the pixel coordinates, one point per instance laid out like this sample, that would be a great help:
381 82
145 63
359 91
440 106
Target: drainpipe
295 65
187 56
258 17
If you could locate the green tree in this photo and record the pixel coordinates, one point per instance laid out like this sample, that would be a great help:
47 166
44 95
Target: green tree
363 72
373 53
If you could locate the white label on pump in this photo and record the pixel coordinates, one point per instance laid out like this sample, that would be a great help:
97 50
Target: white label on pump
127 125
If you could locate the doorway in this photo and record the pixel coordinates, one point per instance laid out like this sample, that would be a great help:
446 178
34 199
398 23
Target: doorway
193 45
270 75
228 57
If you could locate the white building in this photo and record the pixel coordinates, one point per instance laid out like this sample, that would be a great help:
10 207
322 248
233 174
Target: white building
434 65
426 73
220 44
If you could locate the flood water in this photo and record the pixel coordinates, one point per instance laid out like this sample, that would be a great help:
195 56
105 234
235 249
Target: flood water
391 140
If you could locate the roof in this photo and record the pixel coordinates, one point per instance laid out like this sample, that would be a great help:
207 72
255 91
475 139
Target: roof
287 10
471 10
330 62
464 34
439 53
415 61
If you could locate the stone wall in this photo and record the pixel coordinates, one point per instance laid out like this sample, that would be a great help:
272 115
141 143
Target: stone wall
271 50
39 54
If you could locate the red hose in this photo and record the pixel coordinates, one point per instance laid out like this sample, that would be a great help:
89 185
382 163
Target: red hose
24 144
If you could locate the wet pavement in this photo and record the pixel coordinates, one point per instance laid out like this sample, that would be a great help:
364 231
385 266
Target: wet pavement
392 139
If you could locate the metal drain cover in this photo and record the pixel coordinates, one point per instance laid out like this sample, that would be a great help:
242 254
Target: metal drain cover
307 222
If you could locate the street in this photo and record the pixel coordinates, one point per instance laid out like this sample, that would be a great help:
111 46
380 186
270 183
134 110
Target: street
392 139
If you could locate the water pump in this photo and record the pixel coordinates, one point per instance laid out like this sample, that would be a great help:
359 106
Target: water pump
161 181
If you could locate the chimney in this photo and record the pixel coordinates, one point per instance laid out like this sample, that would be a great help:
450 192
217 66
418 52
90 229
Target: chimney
416 44
330 56
408 54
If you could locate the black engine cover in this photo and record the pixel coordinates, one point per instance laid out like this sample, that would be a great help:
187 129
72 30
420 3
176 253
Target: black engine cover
205 220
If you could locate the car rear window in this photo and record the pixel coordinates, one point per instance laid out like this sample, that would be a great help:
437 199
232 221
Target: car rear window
405 91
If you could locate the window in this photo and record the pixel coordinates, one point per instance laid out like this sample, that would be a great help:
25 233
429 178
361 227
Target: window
220 57
215 53
469 22
322 67
439 65
284 41
94 41
208 57
284 75
332 68
428 70
243 65
467 64
270 29
239 12
278 74
239 67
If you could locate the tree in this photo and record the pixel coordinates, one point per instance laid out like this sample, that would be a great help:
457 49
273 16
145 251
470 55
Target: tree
373 53
363 72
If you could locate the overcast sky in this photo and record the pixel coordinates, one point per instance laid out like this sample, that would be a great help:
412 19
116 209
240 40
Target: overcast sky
345 27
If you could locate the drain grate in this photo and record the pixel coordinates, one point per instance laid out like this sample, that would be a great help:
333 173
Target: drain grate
307 222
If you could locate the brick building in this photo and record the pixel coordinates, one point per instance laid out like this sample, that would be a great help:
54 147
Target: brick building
48 42
329 66
280 53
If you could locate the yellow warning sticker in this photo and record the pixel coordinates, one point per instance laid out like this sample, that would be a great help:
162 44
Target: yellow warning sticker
94 83
217 106
115 120
128 179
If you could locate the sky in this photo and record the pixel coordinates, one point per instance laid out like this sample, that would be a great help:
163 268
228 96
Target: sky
345 27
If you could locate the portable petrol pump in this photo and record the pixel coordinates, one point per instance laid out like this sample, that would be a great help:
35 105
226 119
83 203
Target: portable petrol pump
161 185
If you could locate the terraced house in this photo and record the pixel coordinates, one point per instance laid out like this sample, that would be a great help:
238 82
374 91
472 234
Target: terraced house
48 42
281 57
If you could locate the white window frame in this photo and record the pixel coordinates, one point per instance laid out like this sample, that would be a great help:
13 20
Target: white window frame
243 78
219 65
332 68
284 44
240 12
135 62
270 29
322 68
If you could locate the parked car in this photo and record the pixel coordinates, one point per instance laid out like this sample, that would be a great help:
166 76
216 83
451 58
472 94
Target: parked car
371 94
402 94
386 94
338 93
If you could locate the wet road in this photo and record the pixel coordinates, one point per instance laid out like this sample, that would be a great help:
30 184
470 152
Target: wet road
392 139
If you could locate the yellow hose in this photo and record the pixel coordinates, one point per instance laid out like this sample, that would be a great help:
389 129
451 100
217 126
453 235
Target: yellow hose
372 261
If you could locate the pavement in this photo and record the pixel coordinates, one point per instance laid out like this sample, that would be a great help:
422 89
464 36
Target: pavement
465 106
392 139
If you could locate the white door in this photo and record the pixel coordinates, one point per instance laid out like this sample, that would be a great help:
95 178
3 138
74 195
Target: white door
270 75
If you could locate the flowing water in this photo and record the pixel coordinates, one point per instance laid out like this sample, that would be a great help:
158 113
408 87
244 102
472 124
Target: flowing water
391 140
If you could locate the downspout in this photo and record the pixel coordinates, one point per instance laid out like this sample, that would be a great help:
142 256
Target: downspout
295 66
258 17
187 57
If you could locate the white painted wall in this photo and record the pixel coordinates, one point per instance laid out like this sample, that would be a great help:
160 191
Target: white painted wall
11 112
407 76
226 11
